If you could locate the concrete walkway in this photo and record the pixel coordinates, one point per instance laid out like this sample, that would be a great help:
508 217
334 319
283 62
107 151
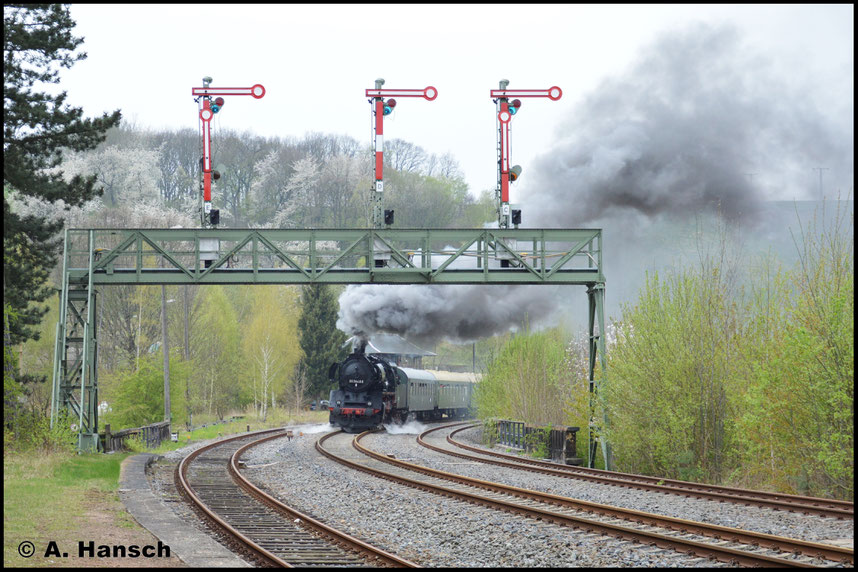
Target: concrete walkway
194 548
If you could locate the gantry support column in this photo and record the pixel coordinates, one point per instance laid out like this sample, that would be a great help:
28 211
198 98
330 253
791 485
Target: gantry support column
596 299
75 381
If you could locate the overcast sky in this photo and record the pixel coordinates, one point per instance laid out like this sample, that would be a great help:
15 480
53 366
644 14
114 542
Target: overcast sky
316 61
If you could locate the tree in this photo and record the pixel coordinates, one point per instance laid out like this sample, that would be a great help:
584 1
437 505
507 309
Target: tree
217 353
127 175
796 424
37 129
530 379
319 337
269 343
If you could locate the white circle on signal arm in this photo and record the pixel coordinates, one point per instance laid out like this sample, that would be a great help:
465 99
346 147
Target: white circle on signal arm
430 93
504 116
206 114
257 90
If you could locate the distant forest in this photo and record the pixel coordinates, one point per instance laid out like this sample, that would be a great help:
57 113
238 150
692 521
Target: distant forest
318 181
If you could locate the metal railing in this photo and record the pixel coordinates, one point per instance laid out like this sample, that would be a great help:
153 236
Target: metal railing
151 435
559 442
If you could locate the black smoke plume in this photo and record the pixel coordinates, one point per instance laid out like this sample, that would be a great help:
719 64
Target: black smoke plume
458 313
699 125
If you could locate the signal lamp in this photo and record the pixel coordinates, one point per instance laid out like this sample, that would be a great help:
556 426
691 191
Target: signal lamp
214 216
516 216
388 216
514 105
389 105
215 175
515 173
218 103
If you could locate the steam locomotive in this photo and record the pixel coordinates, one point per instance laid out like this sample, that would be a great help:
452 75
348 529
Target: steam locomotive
372 391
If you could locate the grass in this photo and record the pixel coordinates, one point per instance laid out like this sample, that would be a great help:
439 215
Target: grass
51 496
46 495
213 430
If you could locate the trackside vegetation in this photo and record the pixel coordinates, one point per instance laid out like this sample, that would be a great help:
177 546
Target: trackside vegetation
746 385
536 377
719 372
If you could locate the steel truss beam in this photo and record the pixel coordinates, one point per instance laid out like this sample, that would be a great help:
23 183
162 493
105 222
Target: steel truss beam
334 256
96 257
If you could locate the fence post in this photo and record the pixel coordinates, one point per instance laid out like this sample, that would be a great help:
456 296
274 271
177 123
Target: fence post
570 455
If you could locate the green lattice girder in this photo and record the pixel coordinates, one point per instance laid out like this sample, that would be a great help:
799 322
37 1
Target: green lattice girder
344 256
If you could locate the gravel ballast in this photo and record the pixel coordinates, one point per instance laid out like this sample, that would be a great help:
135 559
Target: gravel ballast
436 531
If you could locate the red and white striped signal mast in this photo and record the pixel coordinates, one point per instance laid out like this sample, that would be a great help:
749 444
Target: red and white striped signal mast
380 108
506 109
208 108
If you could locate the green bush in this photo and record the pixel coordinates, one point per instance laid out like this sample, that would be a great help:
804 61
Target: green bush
32 431
751 386
530 379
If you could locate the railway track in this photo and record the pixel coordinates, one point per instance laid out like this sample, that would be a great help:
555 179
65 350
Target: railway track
260 525
698 540
777 501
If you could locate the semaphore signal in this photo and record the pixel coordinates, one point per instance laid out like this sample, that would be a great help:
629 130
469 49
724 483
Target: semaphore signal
208 216
380 109
506 173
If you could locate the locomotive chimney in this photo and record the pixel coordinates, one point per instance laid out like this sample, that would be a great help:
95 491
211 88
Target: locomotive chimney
360 345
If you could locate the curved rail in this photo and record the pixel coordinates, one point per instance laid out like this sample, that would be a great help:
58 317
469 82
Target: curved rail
186 489
550 514
381 557
373 555
778 501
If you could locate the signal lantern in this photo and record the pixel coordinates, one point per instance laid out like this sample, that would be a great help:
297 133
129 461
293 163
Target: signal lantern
515 173
218 103
389 105
514 105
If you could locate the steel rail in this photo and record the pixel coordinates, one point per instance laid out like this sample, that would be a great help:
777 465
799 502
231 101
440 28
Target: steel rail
778 501
705 550
186 489
368 550
373 556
